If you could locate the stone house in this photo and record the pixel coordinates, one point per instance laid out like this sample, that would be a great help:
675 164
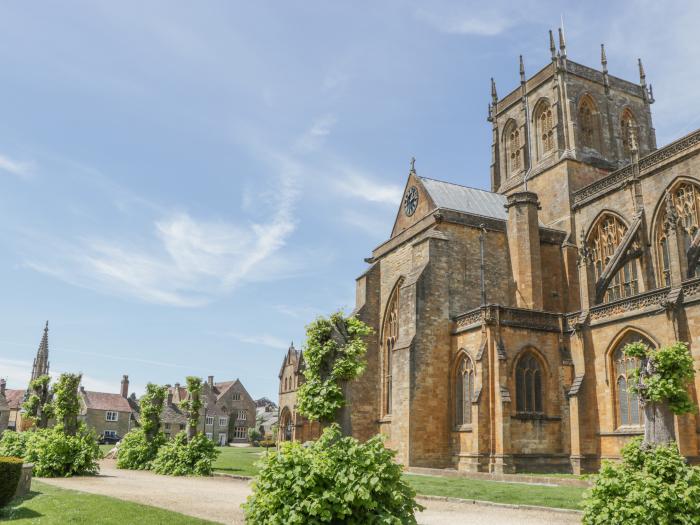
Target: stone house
14 399
227 414
292 426
500 316
110 415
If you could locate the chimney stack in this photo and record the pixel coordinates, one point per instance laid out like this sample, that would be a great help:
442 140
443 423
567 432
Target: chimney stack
125 386
210 380
170 399
524 246
2 387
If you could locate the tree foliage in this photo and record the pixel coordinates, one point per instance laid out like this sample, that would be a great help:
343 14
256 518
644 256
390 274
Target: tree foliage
192 405
139 447
333 354
38 407
14 444
650 485
664 375
335 480
151 405
66 405
180 457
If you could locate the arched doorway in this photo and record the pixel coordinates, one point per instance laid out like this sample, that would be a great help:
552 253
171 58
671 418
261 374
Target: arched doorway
285 425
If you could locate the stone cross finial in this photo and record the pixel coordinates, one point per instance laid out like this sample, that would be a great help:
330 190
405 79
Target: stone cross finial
413 165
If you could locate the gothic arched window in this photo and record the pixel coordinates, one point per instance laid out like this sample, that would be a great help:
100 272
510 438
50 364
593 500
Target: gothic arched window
627 406
528 385
628 128
464 391
513 149
604 239
685 206
589 124
544 123
390 334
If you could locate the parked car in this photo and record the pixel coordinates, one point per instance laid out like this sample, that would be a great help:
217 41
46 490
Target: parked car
109 440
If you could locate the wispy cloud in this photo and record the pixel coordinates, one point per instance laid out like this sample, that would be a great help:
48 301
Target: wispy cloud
305 313
20 169
184 262
267 340
464 23
358 184
313 137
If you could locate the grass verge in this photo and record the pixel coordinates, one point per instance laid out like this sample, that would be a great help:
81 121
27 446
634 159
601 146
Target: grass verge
48 505
239 460
497 492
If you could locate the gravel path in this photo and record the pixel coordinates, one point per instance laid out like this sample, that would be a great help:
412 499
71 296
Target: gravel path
219 499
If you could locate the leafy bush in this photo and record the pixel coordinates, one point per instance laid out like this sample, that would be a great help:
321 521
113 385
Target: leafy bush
267 443
56 454
14 444
178 457
136 451
335 480
10 472
650 485
254 434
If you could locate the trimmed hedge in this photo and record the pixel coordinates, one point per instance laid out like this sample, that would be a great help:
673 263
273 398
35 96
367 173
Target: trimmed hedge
10 472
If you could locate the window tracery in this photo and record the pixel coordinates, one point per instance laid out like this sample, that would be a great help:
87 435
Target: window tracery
390 334
545 129
589 125
683 204
513 149
627 405
605 237
464 394
528 384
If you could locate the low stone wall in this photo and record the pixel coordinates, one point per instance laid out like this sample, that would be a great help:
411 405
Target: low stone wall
25 480
513 478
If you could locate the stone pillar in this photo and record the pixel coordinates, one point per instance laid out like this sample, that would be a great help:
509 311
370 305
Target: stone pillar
524 245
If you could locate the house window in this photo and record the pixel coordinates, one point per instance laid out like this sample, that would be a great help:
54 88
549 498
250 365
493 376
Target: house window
210 436
210 420
236 396
167 435
242 415
110 434
240 433
390 334
464 393
604 239
627 404
223 421
112 416
182 426
528 385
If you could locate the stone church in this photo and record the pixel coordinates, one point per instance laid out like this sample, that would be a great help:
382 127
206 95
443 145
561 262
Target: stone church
500 316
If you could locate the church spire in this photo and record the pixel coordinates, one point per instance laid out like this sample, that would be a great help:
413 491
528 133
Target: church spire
41 361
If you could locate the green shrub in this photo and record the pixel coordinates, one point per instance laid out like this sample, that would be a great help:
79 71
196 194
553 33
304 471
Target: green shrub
254 434
56 454
335 480
181 458
14 444
267 443
649 485
10 472
136 452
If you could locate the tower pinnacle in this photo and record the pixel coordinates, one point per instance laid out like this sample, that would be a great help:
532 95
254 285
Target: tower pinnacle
522 70
552 46
562 42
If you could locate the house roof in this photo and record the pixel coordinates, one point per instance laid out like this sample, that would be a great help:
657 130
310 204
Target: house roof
466 200
14 398
172 414
105 401
221 388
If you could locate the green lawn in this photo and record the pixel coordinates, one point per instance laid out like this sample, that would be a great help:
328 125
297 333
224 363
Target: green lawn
47 505
239 460
513 493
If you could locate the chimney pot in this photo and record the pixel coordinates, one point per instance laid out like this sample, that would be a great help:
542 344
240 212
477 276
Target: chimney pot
2 387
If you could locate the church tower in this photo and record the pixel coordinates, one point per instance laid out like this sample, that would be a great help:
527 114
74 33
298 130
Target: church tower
565 127
41 361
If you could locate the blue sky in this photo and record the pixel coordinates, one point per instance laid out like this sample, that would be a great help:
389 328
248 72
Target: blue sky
184 185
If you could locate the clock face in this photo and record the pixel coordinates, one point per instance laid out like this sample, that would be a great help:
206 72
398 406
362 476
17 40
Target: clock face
410 201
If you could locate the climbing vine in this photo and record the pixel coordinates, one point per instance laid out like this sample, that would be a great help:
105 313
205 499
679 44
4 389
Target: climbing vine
334 353
664 375
65 404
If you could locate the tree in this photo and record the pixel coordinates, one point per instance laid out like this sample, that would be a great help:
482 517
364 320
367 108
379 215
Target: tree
662 382
334 354
192 405
151 409
38 406
66 404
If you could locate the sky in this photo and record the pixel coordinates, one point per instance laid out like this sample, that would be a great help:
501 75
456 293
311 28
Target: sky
185 185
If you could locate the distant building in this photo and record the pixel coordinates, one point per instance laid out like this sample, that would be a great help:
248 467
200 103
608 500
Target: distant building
110 415
292 425
4 408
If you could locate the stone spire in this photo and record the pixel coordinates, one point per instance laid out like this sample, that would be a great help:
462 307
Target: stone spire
604 63
552 46
41 361
562 42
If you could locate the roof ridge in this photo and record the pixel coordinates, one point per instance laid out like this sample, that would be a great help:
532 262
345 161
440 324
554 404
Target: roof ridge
460 185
